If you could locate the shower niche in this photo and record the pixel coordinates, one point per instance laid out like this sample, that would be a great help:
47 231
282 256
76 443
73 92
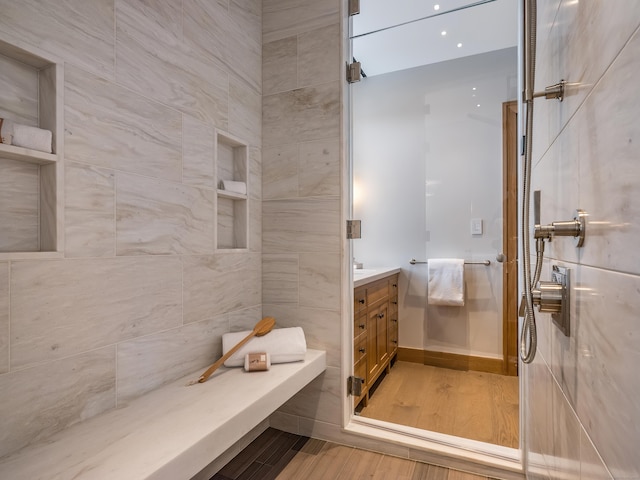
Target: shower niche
31 181
233 192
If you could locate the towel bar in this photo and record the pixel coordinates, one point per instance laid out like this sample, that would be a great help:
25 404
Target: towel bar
413 261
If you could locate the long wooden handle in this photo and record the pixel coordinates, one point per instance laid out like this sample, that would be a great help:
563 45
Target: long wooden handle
225 357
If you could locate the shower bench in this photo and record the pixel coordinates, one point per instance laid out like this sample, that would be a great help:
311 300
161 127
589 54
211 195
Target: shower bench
170 433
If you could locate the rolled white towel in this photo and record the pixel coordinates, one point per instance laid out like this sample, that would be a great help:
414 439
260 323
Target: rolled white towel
283 345
233 186
32 137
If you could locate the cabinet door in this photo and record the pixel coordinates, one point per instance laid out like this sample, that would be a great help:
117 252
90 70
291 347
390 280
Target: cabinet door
393 326
378 339
383 334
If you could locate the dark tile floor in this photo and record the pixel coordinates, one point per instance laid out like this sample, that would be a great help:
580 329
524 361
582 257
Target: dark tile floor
264 458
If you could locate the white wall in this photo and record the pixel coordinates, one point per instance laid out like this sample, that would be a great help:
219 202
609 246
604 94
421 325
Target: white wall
427 160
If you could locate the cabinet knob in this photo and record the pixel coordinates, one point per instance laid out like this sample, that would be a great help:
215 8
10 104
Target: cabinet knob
362 350
361 301
395 302
394 320
362 326
394 341
381 315
394 285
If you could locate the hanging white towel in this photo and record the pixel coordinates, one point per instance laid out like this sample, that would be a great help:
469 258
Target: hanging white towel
446 281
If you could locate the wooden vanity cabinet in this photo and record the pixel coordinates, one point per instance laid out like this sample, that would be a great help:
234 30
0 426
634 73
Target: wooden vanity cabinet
375 330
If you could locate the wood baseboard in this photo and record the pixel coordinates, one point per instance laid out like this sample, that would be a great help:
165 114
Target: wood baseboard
451 360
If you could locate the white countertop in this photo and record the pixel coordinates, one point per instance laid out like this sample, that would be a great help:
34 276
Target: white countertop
170 433
363 276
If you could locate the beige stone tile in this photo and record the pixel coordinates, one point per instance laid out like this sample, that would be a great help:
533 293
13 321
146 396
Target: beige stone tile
320 280
255 225
245 319
221 283
89 211
4 317
585 38
19 94
319 56
247 14
319 168
109 126
244 53
303 114
319 400
280 278
63 307
538 417
155 62
565 461
245 112
19 214
284 18
198 143
78 31
37 402
255 173
280 172
280 65
301 225
158 217
609 173
591 465
168 355
205 26
319 325
607 377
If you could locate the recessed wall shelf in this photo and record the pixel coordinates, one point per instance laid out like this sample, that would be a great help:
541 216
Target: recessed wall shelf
31 181
233 209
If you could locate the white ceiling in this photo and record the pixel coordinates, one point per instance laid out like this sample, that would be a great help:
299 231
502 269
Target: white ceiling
479 29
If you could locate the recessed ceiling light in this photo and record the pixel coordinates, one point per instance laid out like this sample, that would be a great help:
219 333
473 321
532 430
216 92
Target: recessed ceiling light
443 33
436 7
474 88
459 45
477 105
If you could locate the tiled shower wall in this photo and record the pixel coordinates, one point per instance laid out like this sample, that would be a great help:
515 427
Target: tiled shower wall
302 165
582 391
141 297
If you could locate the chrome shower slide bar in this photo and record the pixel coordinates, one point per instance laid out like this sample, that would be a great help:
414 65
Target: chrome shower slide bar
486 263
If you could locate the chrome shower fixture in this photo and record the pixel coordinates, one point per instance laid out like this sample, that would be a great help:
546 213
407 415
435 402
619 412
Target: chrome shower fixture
572 228
553 91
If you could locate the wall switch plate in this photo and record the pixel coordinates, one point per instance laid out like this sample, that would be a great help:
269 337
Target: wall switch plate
476 226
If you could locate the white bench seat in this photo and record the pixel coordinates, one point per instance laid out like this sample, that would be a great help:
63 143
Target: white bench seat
170 433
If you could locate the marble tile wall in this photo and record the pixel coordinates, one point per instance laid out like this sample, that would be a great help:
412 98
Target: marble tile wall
582 391
141 296
301 171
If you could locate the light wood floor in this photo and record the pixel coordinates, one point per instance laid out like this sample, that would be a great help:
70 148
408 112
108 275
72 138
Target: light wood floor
475 405
324 460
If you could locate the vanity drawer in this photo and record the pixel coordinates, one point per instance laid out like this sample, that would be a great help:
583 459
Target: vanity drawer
359 324
360 349
377 291
359 299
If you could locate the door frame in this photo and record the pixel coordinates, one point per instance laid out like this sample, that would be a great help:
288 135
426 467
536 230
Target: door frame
510 237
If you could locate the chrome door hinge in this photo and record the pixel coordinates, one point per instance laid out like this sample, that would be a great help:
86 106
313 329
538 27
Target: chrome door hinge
354 7
354 229
353 72
354 386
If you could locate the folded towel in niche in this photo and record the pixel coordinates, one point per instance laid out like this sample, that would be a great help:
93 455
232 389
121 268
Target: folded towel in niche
446 282
284 345
233 186
31 137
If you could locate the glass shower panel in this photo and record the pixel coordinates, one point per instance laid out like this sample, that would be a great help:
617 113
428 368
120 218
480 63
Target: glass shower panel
427 161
